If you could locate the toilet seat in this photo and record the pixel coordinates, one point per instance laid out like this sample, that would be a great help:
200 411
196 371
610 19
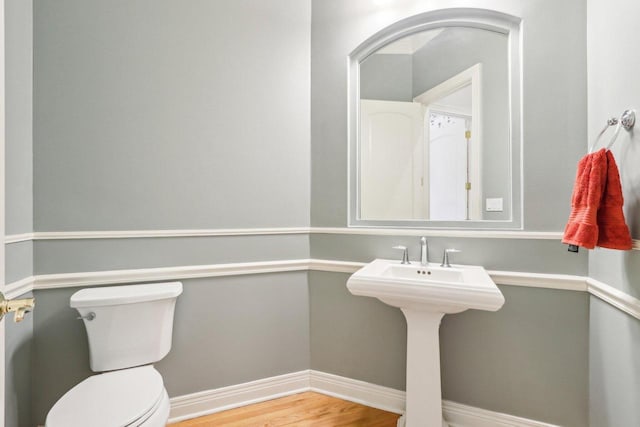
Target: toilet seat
124 398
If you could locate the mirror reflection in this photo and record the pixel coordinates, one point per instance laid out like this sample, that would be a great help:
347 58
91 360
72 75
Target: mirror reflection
434 127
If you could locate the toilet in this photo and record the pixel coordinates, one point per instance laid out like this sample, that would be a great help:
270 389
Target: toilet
129 328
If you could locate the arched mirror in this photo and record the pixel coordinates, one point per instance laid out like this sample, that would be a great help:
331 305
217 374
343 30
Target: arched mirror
435 138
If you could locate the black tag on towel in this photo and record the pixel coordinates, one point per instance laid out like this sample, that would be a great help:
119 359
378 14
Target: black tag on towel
573 248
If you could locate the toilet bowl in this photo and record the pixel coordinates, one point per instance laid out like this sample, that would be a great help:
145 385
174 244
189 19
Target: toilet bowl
127 326
129 397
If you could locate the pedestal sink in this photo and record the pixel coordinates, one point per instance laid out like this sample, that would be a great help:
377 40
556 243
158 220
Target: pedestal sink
425 294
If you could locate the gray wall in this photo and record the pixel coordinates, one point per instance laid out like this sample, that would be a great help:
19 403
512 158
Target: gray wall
18 201
484 363
19 120
534 347
173 115
146 128
526 359
356 337
615 336
159 115
227 331
536 256
520 344
67 256
18 378
387 77
614 367
550 145
18 261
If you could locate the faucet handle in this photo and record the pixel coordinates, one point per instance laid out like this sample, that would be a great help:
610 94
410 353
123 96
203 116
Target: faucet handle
405 254
445 257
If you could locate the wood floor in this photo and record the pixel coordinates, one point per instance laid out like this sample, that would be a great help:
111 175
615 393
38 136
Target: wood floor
303 410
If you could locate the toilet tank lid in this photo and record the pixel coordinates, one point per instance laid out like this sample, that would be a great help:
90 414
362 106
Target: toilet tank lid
126 294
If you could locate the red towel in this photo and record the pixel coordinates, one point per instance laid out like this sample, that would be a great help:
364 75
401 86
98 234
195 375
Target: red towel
582 228
613 230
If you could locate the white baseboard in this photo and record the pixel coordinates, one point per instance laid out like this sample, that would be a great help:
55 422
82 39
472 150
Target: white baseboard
235 396
368 394
211 401
458 415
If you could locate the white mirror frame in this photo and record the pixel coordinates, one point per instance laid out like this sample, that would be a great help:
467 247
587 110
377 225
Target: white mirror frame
456 17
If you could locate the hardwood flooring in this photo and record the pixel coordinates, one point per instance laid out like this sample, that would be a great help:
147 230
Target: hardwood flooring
300 410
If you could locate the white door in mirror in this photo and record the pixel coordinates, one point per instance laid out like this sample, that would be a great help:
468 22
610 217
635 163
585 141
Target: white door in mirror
391 160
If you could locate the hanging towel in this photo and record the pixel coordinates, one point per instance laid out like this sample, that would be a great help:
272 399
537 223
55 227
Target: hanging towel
582 228
613 230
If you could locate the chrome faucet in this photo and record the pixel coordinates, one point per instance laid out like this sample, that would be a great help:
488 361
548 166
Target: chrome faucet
424 251
445 257
405 254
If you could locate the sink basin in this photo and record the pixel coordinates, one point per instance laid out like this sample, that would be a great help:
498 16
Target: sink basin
425 294
431 287
430 273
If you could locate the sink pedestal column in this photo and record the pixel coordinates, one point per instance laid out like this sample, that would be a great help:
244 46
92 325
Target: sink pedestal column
424 394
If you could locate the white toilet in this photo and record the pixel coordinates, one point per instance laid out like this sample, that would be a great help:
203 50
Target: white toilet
129 327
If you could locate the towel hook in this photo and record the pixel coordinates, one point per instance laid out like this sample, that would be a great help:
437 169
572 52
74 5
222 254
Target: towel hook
627 121
615 135
611 122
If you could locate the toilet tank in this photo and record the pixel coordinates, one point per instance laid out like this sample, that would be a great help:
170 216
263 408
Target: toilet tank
131 325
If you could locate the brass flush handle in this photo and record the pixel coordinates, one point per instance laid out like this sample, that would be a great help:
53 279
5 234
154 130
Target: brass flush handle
19 307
